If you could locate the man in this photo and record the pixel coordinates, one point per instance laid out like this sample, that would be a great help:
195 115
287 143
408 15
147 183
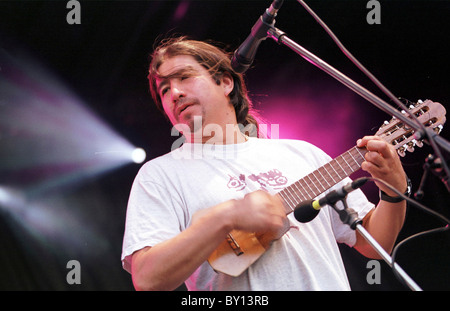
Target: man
183 204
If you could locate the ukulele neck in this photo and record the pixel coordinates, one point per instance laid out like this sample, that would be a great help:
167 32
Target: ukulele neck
322 179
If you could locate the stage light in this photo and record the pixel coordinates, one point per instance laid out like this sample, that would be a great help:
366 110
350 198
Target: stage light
49 135
138 155
11 198
51 141
5 196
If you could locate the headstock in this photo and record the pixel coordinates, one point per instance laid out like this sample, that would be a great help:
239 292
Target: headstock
429 113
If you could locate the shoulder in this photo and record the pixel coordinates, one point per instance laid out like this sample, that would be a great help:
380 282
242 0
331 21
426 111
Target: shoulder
157 167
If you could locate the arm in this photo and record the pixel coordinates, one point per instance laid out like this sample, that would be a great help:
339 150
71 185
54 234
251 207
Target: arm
167 265
385 222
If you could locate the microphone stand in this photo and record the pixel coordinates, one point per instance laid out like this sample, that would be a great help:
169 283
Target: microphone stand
281 38
350 217
347 215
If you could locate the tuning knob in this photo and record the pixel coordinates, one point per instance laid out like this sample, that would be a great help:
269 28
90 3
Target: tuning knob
401 151
418 143
438 128
410 146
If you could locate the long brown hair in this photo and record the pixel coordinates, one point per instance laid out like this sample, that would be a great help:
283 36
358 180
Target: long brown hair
217 62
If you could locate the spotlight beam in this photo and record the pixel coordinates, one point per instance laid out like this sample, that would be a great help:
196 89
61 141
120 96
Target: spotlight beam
48 134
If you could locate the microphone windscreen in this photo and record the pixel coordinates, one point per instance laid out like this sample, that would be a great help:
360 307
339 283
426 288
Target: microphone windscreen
304 212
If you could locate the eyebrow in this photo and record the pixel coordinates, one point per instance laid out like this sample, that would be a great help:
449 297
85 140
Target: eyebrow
188 70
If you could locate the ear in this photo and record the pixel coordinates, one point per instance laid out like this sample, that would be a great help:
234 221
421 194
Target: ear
227 83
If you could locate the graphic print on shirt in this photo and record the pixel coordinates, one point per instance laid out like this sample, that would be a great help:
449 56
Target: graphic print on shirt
272 179
237 183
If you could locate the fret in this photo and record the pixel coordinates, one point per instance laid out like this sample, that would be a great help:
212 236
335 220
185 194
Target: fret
322 179
354 160
318 178
304 181
361 154
291 203
312 184
349 157
299 191
357 155
287 207
335 181
304 190
343 158
293 199
345 173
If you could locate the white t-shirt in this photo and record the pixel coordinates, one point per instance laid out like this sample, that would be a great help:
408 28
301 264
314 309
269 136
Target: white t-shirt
168 191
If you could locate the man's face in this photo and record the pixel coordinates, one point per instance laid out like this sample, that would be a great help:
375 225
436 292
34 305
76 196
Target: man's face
190 91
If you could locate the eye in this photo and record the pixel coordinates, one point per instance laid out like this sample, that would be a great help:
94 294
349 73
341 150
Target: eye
164 91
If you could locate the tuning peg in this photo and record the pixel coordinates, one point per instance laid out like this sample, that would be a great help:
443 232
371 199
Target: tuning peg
410 146
418 143
438 128
401 151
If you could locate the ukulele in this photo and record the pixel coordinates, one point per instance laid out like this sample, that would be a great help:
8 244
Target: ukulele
241 249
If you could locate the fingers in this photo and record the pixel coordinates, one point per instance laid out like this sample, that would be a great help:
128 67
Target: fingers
378 155
378 145
382 162
260 211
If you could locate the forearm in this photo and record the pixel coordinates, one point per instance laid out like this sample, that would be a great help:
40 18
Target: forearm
386 221
384 225
167 265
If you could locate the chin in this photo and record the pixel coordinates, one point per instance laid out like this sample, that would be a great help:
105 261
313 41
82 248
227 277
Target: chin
189 123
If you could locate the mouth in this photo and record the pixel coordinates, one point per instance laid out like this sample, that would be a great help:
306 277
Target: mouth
184 108
180 109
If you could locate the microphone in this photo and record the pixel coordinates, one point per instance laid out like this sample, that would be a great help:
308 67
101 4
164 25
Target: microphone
245 54
308 210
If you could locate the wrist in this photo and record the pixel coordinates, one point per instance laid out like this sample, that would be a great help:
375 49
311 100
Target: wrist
396 199
226 215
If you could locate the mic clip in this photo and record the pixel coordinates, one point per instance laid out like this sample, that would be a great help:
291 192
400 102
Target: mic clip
348 215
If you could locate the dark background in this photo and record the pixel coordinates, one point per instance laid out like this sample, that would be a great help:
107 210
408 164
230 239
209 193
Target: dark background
104 61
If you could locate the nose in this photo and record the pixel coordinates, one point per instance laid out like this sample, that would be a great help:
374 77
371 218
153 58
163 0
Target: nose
176 92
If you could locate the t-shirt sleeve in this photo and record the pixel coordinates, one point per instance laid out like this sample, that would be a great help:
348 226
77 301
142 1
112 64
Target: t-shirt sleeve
358 202
153 216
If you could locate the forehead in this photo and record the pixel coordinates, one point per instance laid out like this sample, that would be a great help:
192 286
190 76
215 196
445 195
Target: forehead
177 63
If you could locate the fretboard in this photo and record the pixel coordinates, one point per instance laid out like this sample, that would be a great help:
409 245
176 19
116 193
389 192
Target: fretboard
322 179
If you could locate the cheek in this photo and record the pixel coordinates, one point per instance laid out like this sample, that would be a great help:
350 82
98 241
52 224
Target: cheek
169 112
